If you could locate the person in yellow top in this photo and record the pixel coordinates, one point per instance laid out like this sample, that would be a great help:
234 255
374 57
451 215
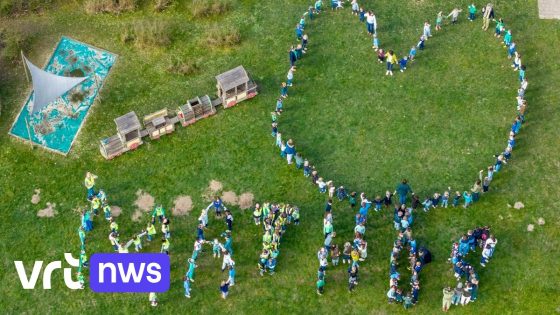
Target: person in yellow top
151 229
391 59
95 205
89 182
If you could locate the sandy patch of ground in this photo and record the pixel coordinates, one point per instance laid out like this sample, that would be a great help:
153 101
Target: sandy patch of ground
518 205
246 200
137 216
145 201
36 196
213 189
48 212
230 198
115 211
182 205
215 186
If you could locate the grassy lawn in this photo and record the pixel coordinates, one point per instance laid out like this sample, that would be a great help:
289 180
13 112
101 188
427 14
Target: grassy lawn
437 124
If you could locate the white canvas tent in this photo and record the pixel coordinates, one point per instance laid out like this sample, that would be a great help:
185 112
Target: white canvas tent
47 86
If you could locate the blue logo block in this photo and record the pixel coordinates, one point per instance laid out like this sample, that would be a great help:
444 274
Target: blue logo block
147 272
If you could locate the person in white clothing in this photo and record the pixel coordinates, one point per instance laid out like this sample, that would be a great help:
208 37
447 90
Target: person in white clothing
227 261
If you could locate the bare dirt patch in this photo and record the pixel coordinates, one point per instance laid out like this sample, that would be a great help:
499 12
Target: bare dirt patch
36 196
145 201
115 211
246 200
230 198
137 215
48 212
182 205
215 186
213 189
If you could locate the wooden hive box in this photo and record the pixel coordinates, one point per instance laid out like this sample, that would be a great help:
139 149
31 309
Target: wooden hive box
128 130
235 86
112 147
158 124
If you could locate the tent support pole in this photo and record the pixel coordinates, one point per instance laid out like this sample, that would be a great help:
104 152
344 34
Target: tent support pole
29 132
24 66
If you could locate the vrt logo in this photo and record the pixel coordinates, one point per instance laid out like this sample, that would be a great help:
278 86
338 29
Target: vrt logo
29 283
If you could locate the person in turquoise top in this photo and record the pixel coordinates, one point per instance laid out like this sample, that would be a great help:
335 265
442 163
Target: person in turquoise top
190 271
468 199
472 12
159 211
507 39
522 73
320 285
228 243
318 6
499 27
231 275
82 236
402 190
187 286
86 220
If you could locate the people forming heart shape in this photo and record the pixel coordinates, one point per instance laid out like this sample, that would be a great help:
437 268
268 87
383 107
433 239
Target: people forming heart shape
356 251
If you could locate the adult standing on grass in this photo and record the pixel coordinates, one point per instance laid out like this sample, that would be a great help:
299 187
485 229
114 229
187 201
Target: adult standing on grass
454 15
402 190
488 13
447 297
371 23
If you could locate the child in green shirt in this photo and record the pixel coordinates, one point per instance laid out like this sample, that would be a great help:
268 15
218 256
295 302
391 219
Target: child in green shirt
320 285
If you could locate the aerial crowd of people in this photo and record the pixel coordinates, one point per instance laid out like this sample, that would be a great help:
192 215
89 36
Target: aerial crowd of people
275 217
352 252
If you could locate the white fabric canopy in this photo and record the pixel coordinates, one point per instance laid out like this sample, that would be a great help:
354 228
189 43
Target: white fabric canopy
47 86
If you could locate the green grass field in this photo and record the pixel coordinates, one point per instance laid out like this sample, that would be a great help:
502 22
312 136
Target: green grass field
437 124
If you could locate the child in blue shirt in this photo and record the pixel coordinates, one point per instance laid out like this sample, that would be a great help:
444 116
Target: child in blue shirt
375 42
412 53
299 160
456 199
362 15
378 203
402 63
427 204
512 49
284 90
341 193
299 32
279 106
274 129
306 168
445 199
468 199
231 278
420 44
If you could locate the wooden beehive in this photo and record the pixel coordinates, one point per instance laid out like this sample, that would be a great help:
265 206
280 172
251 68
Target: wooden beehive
159 123
128 130
235 86
197 108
